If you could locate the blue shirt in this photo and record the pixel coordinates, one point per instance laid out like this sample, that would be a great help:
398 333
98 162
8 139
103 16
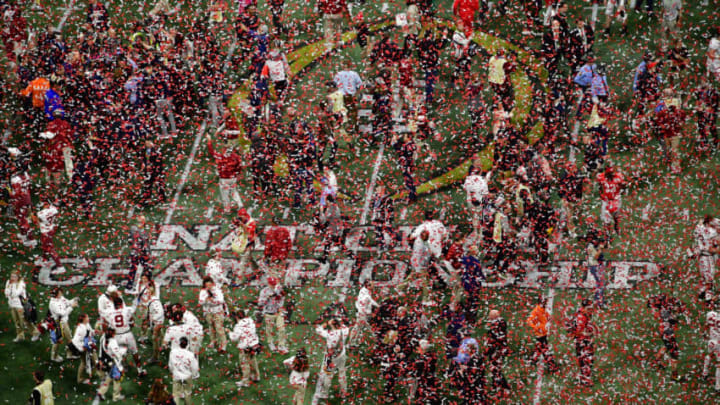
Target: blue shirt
53 102
588 77
348 82
639 71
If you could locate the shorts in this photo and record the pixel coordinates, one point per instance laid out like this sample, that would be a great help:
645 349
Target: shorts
608 208
127 340
672 347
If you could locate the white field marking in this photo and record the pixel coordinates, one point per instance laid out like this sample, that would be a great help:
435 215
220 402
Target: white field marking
371 186
193 151
131 212
541 364
209 212
70 8
403 213
286 212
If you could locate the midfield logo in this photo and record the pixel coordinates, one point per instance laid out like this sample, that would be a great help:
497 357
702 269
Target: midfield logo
183 269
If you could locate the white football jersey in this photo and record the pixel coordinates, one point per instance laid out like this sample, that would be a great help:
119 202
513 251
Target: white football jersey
713 323
120 319
704 234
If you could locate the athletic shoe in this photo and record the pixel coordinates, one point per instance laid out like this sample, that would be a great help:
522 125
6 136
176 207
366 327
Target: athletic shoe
119 398
283 350
35 338
57 359
272 347
241 384
18 339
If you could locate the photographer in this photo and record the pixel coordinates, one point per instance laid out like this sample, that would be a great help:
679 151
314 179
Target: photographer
271 303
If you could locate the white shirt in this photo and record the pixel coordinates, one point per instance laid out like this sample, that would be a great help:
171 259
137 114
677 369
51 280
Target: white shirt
278 69
215 270
174 333
81 331
476 187
156 312
365 302
183 364
15 291
193 325
672 9
713 64
119 319
332 338
212 304
115 351
704 234
245 334
299 377
105 305
437 232
713 323
420 257
60 308
47 219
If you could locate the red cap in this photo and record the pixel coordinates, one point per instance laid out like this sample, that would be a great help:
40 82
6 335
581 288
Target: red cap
272 281
243 214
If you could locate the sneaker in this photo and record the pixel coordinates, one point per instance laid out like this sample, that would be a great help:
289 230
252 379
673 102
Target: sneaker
57 359
272 347
18 339
119 398
283 350
86 381
242 384
35 338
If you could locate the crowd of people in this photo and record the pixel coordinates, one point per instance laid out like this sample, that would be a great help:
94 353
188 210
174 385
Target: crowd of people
96 110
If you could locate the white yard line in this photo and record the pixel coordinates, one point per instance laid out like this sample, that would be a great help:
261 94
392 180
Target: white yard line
193 151
70 8
371 186
541 364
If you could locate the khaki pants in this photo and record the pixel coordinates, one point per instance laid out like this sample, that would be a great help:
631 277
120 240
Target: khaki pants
322 389
249 367
182 391
299 396
105 385
672 146
217 330
332 27
275 329
157 337
21 324
66 338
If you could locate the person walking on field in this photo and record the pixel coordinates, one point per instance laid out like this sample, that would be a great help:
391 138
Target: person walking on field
16 294
248 345
538 321
272 302
364 305
183 365
213 302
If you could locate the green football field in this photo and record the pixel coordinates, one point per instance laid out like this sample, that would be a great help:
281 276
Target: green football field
649 256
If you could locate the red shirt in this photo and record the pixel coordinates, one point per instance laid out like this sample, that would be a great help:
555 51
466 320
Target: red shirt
277 243
53 154
669 121
228 164
332 6
610 187
20 190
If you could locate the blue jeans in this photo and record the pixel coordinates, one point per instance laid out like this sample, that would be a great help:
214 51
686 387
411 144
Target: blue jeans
598 272
431 76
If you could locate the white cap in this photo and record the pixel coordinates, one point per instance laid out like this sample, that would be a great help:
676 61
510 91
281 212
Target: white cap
47 135
111 289
14 151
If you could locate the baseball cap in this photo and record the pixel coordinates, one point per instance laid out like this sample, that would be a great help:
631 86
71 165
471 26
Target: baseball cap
272 281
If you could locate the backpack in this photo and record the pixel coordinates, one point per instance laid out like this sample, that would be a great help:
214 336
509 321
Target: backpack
29 310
